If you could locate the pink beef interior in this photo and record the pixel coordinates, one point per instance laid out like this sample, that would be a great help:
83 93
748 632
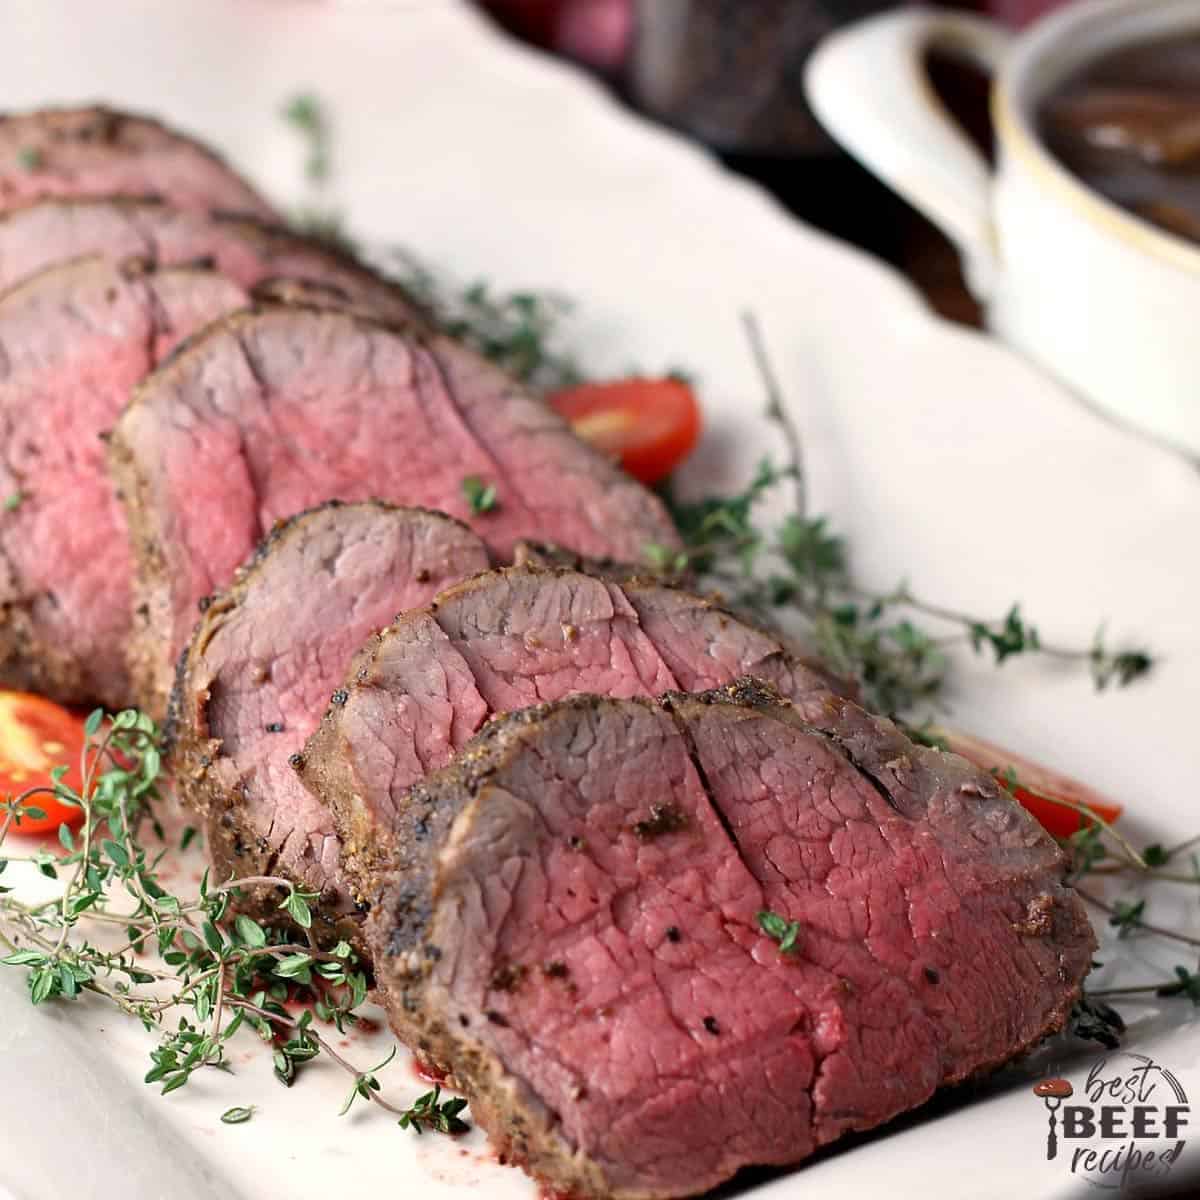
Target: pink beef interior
518 637
40 235
100 152
74 341
334 577
285 408
624 980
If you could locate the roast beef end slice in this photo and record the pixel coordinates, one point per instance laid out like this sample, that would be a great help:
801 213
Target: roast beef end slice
579 943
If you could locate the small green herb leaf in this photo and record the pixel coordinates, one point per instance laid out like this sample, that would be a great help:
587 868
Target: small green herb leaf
293 966
1155 856
250 931
785 932
24 958
303 112
1096 1021
1187 983
237 1116
296 906
1127 916
427 1113
480 496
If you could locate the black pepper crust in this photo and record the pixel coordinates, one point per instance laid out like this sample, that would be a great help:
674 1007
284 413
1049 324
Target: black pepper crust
151 676
28 661
190 749
399 926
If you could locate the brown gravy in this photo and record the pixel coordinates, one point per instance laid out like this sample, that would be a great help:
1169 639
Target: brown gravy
1128 125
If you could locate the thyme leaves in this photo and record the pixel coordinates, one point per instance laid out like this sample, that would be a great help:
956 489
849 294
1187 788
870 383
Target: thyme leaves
305 114
482 497
214 971
780 929
800 567
427 1113
519 331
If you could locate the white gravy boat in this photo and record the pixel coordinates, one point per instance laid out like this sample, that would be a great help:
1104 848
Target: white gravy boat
1105 301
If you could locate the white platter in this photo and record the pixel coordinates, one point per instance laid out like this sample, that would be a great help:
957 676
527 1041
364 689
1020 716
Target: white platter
942 457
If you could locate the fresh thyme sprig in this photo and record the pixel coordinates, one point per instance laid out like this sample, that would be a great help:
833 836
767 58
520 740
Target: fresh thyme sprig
306 115
216 971
427 1113
801 567
482 497
517 330
780 929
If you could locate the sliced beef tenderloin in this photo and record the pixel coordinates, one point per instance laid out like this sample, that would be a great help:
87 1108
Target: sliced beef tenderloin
261 666
547 554
248 251
73 341
101 152
418 692
574 934
276 409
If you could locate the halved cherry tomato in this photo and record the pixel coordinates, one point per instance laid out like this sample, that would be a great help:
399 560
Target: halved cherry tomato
649 425
37 735
1036 787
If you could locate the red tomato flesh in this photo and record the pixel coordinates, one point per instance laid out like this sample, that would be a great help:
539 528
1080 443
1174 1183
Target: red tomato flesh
37 735
648 425
1037 787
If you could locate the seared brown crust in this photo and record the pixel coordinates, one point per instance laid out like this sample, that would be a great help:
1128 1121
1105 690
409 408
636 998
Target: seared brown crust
28 664
401 929
392 298
369 849
28 660
123 130
143 651
153 679
551 554
386 304
190 752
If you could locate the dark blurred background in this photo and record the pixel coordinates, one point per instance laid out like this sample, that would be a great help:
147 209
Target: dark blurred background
729 72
